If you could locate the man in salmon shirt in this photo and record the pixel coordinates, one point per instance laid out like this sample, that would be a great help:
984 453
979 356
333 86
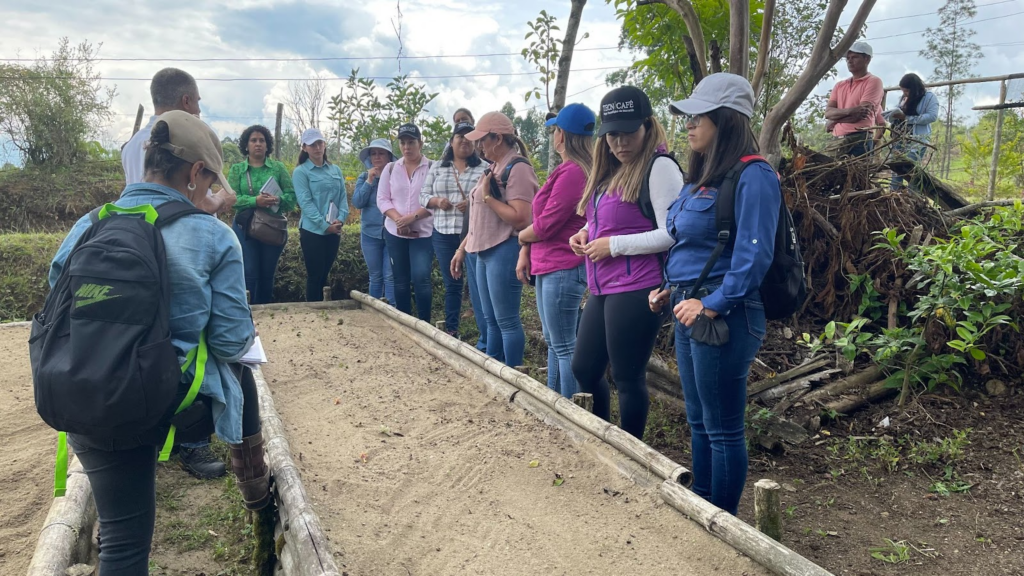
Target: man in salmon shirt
855 104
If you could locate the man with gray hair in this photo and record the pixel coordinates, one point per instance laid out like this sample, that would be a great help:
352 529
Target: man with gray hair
174 89
171 89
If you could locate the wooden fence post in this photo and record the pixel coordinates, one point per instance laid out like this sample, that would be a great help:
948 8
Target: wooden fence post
138 120
585 401
768 509
277 131
327 293
993 172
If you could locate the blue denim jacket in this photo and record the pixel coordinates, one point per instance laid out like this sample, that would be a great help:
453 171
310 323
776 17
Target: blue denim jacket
315 188
204 266
371 220
743 264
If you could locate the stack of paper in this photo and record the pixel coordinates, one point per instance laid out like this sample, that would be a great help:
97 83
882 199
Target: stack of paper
332 213
256 354
274 190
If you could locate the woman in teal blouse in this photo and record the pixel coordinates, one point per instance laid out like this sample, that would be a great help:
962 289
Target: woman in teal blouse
250 181
320 191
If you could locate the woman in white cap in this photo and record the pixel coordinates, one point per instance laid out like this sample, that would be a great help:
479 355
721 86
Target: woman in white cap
709 282
408 225
500 206
208 314
320 191
446 194
375 157
623 245
559 274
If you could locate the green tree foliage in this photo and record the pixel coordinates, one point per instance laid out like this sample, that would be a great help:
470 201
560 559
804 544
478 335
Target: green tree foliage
230 152
533 132
977 144
358 114
543 53
48 109
950 47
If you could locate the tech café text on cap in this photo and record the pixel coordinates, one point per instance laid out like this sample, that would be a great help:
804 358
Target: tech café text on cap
409 130
574 119
719 90
861 47
491 123
624 110
193 141
311 136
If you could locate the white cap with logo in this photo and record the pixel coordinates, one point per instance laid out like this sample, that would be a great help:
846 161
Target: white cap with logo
719 90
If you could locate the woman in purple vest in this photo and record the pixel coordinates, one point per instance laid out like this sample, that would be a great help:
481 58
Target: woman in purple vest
623 250
714 373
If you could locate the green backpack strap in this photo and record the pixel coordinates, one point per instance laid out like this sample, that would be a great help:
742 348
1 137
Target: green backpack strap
198 355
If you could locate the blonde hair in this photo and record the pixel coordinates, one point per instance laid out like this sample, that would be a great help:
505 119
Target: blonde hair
579 149
609 173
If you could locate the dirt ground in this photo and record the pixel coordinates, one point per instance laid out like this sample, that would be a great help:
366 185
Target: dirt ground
415 470
27 451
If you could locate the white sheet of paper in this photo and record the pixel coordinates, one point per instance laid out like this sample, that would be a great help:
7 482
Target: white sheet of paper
255 354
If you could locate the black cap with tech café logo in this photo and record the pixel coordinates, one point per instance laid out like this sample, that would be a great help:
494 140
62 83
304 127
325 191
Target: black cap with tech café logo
624 110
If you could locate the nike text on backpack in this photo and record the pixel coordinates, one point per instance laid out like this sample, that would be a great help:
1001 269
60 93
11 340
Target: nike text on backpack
102 360
784 288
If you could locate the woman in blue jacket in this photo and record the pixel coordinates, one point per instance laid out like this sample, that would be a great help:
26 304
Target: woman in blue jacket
320 190
913 120
375 157
714 374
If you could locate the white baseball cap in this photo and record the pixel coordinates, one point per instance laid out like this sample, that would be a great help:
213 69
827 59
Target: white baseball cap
861 47
311 136
719 90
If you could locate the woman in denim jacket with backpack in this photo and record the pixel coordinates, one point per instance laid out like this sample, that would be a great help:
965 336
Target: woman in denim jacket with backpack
707 295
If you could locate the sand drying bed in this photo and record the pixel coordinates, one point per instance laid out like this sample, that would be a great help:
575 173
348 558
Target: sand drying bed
413 469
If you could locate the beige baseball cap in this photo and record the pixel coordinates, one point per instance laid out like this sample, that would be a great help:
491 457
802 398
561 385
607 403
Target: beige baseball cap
193 140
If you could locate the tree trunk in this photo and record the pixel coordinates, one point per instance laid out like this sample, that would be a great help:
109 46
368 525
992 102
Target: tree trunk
716 57
562 78
823 58
764 47
695 65
739 37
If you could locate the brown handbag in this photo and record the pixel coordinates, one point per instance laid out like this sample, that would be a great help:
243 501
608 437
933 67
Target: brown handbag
265 226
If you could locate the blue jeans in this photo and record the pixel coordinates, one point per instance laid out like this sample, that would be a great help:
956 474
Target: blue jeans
260 263
378 264
714 382
558 302
445 246
474 299
411 261
500 296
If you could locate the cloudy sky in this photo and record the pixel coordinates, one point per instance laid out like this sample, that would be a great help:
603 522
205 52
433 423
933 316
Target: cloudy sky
440 29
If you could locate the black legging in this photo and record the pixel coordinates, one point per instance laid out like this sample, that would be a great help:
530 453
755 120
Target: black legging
620 328
251 403
318 252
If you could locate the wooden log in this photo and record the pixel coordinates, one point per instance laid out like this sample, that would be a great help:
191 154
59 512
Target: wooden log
967 210
841 386
798 384
823 223
66 536
783 429
15 325
585 401
856 194
875 392
299 306
327 293
741 536
768 509
307 550
806 367
277 130
138 120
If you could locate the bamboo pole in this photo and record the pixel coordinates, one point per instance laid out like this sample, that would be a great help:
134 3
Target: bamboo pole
15 325
993 171
332 305
554 403
306 550
741 536
277 131
768 509
967 81
66 536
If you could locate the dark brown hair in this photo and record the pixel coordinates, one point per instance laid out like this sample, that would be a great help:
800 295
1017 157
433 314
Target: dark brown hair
159 160
733 141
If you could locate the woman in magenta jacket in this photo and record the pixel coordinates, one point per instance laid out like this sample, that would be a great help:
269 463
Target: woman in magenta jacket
561 276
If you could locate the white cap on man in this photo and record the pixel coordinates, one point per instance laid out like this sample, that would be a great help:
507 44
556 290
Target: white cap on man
862 47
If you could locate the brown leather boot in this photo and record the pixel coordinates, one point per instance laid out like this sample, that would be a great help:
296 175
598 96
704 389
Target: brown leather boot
252 475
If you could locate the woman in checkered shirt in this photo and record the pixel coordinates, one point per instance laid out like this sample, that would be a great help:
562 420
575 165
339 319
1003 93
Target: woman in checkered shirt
445 193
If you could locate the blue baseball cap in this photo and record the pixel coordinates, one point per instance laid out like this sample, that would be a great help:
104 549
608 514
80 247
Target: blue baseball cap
575 119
